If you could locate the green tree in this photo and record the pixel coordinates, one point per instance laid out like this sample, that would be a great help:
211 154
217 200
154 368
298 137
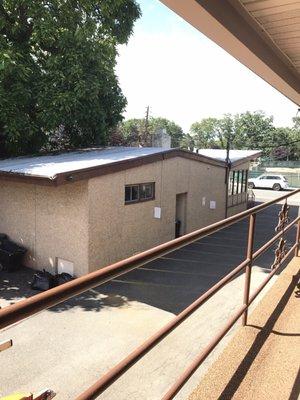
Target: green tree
253 130
249 130
205 133
188 142
296 121
57 80
133 131
226 131
286 144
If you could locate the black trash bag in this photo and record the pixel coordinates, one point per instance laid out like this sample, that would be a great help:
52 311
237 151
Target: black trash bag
42 280
63 278
11 254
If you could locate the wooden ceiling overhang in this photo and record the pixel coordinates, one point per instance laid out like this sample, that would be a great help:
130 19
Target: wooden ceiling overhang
264 35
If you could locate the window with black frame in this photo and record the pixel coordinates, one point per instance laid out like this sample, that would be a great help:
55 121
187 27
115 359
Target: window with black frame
245 180
237 186
139 192
231 183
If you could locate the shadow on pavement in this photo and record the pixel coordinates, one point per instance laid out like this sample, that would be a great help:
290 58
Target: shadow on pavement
174 281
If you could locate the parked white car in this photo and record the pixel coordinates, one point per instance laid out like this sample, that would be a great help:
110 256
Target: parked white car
275 182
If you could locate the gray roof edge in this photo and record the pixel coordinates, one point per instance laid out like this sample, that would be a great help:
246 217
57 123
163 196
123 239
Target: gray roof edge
83 173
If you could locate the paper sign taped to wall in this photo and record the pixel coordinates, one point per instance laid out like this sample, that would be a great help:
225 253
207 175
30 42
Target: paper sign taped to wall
212 205
203 201
65 266
157 212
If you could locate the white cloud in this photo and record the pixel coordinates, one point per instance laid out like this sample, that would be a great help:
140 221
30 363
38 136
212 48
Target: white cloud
184 76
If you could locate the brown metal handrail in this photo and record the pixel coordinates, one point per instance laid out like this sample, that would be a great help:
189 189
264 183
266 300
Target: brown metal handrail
37 303
209 348
114 373
25 308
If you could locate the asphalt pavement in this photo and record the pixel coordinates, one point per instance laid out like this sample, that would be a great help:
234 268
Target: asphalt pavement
68 347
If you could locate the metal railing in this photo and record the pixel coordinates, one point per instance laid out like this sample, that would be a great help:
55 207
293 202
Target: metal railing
28 307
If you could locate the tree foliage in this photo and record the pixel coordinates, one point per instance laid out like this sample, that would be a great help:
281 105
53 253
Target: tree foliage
249 130
57 79
135 131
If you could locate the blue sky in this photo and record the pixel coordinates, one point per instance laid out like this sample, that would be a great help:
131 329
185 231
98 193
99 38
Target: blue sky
184 76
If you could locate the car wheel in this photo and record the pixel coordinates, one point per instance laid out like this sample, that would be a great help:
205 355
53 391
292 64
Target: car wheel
251 185
276 186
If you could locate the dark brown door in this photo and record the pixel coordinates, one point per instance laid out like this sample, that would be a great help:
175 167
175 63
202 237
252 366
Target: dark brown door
180 217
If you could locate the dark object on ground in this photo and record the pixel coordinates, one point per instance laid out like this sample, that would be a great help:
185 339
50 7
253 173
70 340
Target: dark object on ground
11 254
43 280
63 278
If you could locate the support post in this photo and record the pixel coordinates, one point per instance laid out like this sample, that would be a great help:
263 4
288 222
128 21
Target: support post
249 265
227 171
297 238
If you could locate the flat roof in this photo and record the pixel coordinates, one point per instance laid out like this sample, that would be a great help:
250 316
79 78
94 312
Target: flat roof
234 155
49 166
87 163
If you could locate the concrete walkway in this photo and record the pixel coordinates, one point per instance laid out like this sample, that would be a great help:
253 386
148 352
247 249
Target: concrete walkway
71 345
262 360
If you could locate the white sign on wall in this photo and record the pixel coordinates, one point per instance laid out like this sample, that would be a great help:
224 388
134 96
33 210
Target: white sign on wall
157 212
203 201
212 205
65 266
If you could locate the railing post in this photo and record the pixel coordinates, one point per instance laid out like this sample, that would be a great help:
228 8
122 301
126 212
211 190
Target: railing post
297 238
249 265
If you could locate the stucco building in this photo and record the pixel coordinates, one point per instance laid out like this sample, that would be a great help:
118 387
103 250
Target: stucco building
79 211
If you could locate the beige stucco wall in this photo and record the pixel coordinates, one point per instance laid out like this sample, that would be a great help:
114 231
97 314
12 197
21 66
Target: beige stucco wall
117 230
50 221
236 209
88 223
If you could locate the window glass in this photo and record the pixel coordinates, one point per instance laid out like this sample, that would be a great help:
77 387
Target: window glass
241 181
230 182
134 193
127 193
245 178
233 182
146 191
131 193
237 185
139 192
237 173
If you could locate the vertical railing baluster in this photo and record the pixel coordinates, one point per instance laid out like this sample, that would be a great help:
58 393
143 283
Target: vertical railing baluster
297 238
251 230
